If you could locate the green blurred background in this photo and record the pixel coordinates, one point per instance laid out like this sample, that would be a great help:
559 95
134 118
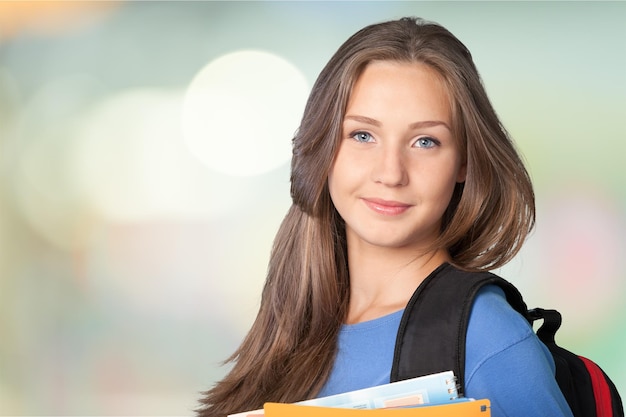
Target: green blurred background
144 169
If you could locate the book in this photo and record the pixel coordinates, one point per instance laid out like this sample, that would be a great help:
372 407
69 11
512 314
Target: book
428 389
472 408
431 389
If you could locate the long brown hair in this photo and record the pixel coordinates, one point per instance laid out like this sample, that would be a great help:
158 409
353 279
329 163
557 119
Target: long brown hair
289 351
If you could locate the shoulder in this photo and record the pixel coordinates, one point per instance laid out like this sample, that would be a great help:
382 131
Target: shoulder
506 362
494 326
491 311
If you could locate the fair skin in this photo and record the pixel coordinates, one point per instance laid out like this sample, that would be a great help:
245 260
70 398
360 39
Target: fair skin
391 182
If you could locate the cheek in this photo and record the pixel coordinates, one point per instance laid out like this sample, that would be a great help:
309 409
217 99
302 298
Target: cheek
335 177
331 185
441 182
341 174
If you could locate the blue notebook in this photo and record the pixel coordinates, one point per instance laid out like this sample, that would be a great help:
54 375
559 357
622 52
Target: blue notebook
430 389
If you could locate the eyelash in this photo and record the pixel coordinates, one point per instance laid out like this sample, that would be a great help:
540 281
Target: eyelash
433 142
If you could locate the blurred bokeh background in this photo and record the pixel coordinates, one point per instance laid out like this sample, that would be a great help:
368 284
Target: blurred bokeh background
144 169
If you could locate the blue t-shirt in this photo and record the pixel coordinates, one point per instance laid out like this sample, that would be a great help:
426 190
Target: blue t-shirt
505 361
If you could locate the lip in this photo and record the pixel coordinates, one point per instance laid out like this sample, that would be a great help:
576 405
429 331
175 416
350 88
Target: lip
386 207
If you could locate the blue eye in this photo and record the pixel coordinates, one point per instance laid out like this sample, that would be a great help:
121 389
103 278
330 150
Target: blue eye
426 142
362 137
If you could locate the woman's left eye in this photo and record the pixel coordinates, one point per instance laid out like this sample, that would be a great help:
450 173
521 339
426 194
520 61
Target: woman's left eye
426 142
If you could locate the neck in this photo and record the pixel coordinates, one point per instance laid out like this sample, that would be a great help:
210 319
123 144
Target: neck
382 280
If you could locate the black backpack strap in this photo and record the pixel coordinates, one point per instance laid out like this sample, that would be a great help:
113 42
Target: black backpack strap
431 336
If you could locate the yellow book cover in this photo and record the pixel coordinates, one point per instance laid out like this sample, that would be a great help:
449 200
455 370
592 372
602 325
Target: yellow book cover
477 408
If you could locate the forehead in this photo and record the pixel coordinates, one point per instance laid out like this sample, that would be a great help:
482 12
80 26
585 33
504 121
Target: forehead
385 86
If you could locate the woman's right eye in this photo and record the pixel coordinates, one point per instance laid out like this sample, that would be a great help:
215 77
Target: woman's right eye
362 137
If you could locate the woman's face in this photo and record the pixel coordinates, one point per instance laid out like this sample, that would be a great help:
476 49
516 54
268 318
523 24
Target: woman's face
397 162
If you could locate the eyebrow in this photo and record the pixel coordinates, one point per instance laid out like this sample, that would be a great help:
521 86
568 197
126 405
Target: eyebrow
416 125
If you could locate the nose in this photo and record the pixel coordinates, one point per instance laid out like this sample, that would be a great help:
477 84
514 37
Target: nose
389 168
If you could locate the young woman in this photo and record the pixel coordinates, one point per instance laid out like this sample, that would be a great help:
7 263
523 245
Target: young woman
400 166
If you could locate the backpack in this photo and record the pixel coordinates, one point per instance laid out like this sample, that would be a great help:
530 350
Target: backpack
432 339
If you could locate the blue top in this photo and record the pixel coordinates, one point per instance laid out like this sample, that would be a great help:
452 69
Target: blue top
505 361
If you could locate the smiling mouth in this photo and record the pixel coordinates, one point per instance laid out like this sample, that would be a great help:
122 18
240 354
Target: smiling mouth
385 207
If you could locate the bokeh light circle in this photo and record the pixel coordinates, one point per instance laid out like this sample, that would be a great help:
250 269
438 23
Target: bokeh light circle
129 162
241 111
